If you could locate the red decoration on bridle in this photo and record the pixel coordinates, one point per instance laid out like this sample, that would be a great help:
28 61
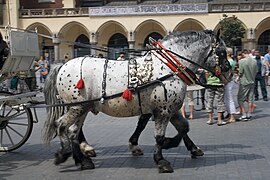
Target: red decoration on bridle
173 63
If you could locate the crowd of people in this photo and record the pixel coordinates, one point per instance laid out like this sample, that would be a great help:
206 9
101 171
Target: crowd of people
250 68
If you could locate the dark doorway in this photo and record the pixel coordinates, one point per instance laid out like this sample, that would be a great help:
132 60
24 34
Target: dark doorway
117 43
80 51
264 42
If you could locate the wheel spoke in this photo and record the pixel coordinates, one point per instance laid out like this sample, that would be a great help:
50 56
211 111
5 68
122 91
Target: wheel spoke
8 113
15 131
21 124
11 118
9 137
1 140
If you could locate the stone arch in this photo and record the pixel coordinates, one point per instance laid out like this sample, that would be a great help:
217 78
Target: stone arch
70 32
107 30
45 43
262 35
145 28
189 24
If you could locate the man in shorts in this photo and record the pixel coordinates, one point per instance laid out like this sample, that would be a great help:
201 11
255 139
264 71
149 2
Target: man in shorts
247 72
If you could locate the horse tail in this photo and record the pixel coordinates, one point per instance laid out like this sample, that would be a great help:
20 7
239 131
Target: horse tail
53 113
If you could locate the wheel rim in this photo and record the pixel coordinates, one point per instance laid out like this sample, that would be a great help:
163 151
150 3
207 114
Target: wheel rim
15 127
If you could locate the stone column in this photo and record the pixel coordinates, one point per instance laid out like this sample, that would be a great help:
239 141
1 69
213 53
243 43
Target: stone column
93 43
251 38
131 42
56 43
13 14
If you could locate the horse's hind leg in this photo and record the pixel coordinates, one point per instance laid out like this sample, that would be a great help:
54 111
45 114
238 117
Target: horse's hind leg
84 146
133 140
80 158
68 129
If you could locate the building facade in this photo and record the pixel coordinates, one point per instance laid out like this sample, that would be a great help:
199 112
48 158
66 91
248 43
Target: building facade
119 24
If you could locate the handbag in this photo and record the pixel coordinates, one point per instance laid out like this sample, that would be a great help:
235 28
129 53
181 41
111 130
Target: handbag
45 72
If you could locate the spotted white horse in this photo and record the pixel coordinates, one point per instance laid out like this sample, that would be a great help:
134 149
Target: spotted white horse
162 100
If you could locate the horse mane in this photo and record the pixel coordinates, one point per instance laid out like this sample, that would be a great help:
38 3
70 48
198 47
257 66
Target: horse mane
189 36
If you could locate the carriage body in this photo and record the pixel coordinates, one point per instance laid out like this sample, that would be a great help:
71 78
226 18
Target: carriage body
16 120
24 49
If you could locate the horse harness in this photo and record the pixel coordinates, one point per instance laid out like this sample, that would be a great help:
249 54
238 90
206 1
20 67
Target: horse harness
136 84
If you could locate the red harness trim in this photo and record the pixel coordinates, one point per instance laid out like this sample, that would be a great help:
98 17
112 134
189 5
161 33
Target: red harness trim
172 62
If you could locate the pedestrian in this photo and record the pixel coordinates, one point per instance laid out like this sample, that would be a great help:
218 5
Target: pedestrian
66 58
260 76
100 55
189 97
31 78
121 57
267 62
247 73
228 96
252 53
202 79
215 94
44 69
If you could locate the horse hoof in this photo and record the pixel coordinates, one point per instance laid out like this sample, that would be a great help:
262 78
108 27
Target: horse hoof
61 157
164 167
87 163
137 152
196 152
88 150
91 153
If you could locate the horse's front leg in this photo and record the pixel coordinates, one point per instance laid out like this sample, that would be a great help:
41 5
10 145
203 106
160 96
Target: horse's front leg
160 129
133 140
180 123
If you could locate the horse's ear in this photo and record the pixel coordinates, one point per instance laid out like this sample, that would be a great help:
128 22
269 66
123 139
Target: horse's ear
218 35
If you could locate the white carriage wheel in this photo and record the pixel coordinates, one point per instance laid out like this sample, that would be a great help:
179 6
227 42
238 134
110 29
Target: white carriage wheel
16 124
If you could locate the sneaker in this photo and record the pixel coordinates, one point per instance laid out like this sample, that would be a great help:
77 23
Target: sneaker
243 117
210 122
247 118
221 123
256 99
265 99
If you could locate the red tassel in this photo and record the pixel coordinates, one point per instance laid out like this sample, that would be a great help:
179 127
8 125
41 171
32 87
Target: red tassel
218 73
127 94
80 84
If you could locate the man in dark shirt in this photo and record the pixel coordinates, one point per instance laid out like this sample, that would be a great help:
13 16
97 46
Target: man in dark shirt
260 76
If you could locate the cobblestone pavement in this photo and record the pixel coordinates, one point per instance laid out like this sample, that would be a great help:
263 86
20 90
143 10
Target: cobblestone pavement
235 151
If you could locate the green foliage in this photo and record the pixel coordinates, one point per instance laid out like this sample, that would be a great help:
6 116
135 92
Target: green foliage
232 30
